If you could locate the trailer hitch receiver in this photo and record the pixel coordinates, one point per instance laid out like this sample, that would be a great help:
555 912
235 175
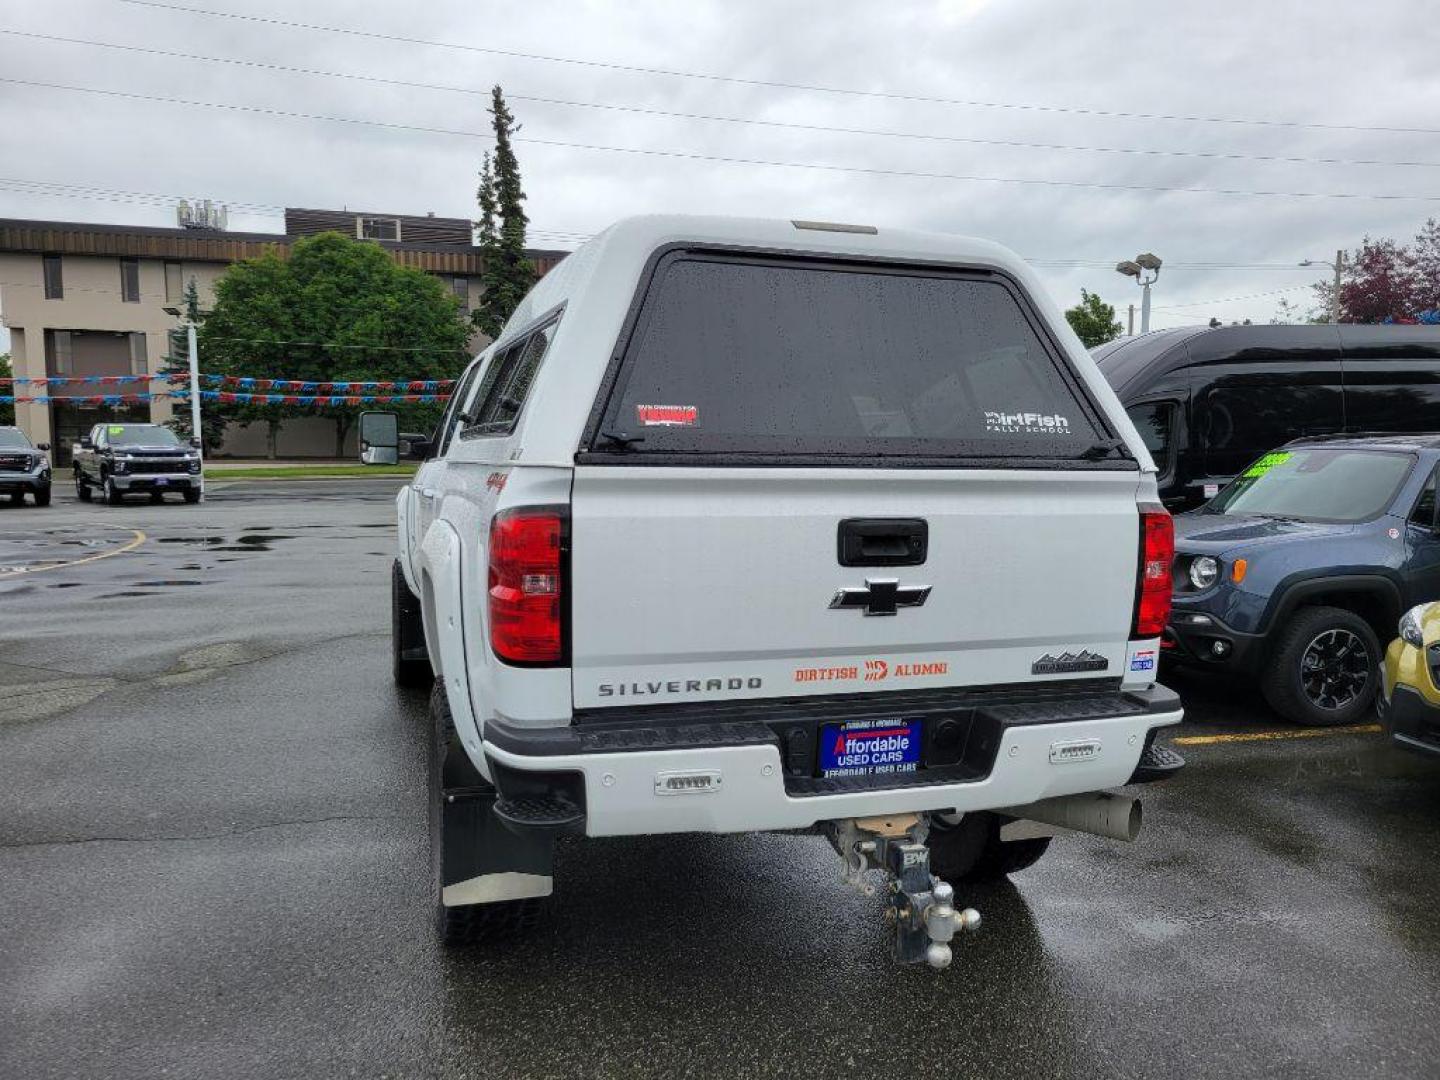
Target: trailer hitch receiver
922 907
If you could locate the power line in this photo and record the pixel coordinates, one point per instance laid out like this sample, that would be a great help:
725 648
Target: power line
63 190
720 158
719 119
51 189
1231 299
769 83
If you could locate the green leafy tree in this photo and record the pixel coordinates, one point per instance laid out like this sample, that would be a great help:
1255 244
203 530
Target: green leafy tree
7 409
508 273
337 310
1093 320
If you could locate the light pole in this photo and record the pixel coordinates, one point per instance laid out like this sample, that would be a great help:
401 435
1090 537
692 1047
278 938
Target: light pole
1337 266
194 376
1138 268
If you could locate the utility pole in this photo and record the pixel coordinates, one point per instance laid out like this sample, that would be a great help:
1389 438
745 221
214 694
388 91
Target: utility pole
195 389
1130 329
1335 293
1338 265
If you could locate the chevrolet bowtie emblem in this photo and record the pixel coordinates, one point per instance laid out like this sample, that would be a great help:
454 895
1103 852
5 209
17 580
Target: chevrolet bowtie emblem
881 596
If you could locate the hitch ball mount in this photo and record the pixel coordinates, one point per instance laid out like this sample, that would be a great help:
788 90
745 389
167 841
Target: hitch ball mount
922 907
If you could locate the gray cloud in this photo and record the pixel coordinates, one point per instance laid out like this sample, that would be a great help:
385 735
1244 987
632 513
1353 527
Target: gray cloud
1326 63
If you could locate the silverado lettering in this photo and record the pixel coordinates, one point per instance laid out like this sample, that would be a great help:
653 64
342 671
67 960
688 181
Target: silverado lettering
677 686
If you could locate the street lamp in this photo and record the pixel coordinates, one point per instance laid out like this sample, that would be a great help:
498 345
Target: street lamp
194 375
1137 268
1337 266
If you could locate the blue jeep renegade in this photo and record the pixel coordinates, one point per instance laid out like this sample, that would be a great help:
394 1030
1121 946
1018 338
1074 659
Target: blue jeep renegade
1298 570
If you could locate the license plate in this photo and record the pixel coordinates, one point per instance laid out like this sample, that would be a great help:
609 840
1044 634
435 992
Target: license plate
870 747
161 481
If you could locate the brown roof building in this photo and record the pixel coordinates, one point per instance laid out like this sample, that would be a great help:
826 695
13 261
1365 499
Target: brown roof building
84 299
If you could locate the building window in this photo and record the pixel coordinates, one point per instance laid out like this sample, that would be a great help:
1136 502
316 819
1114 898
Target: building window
174 283
377 228
59 353
138 357
130 280
54 282
461 287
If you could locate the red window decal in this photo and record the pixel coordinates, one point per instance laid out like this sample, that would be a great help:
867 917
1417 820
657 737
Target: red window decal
667 415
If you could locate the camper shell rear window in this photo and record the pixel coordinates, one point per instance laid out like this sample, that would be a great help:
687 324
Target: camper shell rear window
789 358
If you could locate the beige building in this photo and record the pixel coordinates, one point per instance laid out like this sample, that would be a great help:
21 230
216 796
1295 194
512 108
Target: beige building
84 299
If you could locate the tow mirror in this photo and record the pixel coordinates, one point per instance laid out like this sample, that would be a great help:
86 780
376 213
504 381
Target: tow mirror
87 443
42 446
379 438
416 447
195 441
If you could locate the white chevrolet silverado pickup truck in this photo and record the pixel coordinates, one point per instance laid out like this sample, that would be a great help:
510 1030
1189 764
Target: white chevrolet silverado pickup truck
782 525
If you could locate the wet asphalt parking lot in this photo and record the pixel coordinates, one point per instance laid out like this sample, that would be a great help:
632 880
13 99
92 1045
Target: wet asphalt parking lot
213 863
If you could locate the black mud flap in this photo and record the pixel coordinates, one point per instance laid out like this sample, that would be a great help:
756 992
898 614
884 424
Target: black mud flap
482 861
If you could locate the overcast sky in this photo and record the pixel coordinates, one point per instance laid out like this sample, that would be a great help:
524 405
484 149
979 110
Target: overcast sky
1323 75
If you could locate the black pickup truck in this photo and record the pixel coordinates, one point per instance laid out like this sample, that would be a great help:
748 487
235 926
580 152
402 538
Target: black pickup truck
123 458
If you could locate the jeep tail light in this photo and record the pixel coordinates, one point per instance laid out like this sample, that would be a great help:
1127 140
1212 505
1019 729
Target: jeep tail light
1157 553
528 567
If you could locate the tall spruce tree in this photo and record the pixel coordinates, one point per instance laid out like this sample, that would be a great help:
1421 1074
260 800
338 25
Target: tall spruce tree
508 274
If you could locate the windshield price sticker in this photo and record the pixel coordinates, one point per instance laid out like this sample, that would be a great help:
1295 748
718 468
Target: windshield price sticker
1266 463
116 429
870 747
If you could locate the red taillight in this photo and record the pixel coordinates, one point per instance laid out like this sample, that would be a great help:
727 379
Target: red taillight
1157 553
527 585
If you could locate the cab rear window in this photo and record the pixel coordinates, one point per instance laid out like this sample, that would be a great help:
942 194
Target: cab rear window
805 359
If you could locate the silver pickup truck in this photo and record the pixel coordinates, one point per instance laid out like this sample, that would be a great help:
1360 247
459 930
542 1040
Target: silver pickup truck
23 467
120 459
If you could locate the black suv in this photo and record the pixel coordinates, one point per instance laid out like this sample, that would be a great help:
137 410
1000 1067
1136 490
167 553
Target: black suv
1298 570
24 467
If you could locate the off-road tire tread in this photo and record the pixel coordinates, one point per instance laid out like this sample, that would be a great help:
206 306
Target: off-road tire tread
972 852
1280 682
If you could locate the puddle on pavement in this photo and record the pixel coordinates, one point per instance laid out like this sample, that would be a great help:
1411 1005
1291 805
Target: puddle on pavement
196 540
66 585
121 595
167 582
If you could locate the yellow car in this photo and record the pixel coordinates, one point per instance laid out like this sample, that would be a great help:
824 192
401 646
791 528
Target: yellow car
1409 700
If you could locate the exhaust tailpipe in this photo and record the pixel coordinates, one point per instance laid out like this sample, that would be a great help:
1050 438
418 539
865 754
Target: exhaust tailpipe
1116 817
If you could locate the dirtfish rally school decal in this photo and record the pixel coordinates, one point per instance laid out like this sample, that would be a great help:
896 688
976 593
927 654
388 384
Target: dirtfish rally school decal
1026 423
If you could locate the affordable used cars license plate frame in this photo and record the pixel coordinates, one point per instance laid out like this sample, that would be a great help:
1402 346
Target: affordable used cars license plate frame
871 747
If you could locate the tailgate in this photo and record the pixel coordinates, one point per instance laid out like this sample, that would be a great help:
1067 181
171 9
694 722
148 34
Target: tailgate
706 584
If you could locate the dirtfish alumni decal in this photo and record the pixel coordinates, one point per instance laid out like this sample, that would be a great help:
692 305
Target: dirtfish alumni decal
871 671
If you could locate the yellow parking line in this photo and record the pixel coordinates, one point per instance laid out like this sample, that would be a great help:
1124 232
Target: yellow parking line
137 538
1270 736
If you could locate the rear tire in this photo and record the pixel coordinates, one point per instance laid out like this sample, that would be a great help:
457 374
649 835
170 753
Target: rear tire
972 852
406 628
470 924
82 489
156 497
1323 670
17 498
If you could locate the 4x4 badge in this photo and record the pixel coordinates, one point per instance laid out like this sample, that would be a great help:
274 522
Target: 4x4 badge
881 596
